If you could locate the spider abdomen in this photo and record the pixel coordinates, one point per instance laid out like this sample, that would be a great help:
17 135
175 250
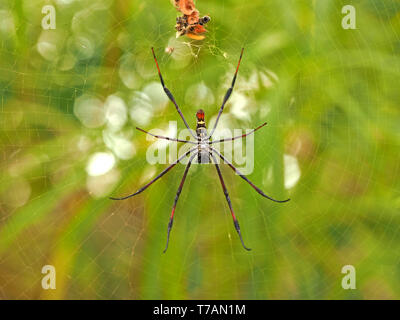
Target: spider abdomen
203 156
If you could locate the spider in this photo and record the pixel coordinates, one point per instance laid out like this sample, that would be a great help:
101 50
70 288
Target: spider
204 151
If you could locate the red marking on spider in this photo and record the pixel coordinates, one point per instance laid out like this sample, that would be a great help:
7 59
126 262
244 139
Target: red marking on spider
200 115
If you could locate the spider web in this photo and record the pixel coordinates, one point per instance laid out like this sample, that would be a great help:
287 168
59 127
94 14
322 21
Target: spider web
71 97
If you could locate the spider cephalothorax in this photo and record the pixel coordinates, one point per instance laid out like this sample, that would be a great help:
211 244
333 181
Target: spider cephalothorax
202 148
201 130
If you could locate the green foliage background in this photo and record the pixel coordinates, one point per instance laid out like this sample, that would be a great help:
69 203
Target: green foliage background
334 106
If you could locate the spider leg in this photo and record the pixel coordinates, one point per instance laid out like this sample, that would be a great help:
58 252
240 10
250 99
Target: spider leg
170 96
235 221
156 178
166 138
242 136
245 178
178 193
227 95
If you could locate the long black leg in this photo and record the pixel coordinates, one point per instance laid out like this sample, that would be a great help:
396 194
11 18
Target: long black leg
156 178
238 137
235 221
245 178
166 138
170 96
227 95
178 193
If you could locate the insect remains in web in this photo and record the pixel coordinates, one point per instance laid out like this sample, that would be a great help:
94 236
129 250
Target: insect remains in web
204 151
190 23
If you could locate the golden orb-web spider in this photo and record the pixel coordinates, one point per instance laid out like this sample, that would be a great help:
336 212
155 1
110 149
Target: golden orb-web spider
203 150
